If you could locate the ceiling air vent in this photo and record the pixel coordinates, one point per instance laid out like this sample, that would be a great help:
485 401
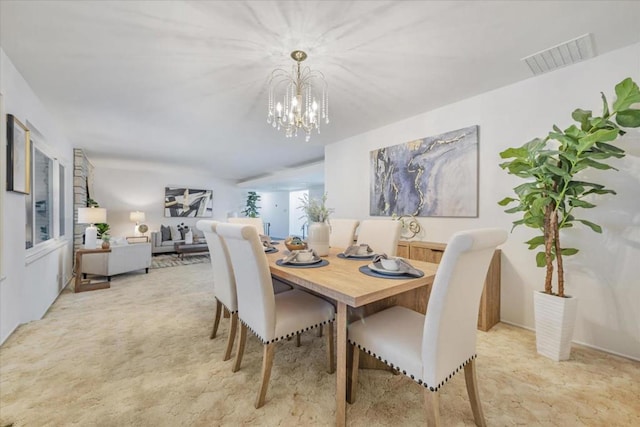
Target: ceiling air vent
561 55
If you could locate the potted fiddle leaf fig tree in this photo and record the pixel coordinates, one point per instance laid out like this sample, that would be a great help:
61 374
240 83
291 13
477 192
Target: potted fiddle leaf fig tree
554 192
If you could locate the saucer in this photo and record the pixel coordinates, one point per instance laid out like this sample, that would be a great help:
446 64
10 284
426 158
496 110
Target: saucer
379 269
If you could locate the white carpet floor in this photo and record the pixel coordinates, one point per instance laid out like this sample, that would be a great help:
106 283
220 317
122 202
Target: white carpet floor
139 354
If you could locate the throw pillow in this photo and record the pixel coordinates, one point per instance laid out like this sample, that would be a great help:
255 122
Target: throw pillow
165 232
175 233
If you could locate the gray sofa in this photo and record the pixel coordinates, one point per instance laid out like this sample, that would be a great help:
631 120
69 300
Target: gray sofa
158 246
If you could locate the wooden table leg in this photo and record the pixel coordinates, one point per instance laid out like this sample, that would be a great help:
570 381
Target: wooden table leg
341 365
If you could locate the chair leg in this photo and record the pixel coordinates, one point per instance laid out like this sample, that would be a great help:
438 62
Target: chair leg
319 331
216 320
240 350
351 395
298 340
432 406
232 336
267 363
331 361
472 390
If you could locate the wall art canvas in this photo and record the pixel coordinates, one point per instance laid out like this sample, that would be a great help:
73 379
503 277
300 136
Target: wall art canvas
188 202
436 176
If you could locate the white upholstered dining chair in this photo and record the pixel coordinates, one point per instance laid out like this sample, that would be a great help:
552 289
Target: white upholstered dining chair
271 317
224 285
342 232
431 348
381 235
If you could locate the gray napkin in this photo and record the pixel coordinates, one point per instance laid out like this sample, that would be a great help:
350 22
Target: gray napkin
266 241
403 265
292 256
353 250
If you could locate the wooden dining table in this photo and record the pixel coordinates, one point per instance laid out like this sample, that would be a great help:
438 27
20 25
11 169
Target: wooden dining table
342 282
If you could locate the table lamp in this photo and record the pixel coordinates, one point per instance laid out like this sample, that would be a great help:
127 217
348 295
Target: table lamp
137 217
91 216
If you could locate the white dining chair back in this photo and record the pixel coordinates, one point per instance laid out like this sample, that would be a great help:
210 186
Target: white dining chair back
256 302
256 222
342 232
450 327
381 235
224 284
271 317
432 348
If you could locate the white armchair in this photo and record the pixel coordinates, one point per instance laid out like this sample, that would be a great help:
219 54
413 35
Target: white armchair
121 259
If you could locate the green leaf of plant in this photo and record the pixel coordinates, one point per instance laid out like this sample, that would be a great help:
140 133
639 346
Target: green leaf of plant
568 251
605 105
506 201
601 135
535 242
608 147
594 227
628 118
577 203
541 260
594 164
582 116
518 153
628 93
556 170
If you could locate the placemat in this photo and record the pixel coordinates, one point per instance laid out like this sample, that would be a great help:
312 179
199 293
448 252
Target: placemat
316 265
353 258
366 270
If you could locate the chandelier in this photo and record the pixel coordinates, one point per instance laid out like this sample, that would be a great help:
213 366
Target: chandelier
300 108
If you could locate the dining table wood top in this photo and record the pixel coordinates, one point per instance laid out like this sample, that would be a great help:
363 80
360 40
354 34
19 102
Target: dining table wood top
342 281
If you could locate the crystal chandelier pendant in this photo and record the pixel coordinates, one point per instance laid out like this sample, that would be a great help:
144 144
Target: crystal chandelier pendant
304 99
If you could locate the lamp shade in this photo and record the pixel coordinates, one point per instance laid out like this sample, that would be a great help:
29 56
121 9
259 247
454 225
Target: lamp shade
92 215
137 216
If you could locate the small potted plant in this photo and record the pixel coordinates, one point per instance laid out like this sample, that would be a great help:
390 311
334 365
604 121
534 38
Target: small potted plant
317 216
555 190
106 241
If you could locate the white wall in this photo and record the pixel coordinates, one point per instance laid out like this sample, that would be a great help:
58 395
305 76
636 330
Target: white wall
605 274
32 279
275 210
122 187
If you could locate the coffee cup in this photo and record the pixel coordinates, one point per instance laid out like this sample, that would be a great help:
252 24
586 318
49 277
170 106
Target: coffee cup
363 250
389 264
304 256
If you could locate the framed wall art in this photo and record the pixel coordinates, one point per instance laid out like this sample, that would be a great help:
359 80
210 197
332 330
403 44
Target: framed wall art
188 202
436 176
18 156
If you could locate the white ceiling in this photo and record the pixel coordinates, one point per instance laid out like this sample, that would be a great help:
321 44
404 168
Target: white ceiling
185 81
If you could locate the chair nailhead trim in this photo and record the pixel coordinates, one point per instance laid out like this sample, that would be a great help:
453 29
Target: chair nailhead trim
230 311
291 335
419 381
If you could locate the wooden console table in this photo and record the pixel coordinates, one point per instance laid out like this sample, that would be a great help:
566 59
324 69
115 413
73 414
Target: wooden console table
489 313
82 285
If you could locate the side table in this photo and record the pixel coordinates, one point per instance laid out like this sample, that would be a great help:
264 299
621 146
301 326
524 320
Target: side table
82 285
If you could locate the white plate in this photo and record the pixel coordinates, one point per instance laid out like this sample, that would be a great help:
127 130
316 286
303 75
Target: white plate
313 261
359 256
381 270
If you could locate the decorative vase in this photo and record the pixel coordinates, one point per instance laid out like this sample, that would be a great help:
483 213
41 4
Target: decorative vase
188 237
105 244
555 318
318 238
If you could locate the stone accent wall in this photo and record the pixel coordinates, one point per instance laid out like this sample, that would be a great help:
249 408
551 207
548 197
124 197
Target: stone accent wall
82 177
